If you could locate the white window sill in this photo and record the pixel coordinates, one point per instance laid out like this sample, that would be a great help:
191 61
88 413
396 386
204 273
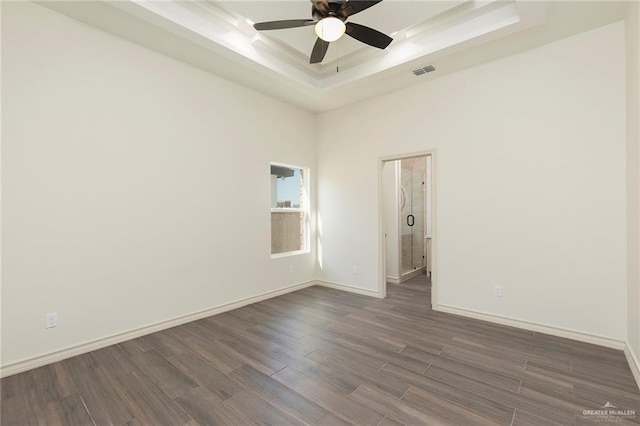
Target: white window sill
290 253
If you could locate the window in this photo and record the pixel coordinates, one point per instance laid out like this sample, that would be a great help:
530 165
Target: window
289 209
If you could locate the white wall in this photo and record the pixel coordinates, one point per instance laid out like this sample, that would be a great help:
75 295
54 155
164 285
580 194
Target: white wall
121 171
135 187
633 176
530 183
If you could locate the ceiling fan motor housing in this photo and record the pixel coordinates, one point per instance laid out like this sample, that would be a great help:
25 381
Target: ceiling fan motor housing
320 10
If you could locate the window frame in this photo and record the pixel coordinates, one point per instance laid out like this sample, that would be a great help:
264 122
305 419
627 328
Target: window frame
306 210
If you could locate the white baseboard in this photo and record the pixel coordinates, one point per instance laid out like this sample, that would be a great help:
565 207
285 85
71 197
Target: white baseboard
412 274
350 289
531 326
393 280
634 363
59 355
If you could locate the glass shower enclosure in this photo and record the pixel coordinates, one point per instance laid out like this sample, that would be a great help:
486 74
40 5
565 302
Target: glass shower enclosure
412 214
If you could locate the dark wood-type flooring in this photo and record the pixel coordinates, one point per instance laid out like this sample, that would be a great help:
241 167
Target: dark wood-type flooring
324 357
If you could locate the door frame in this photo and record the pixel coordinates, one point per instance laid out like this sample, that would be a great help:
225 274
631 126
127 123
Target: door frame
382 273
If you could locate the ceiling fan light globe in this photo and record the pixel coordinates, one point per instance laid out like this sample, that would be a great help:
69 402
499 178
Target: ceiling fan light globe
330 29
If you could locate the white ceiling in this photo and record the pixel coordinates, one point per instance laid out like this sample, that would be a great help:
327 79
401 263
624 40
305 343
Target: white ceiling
454 34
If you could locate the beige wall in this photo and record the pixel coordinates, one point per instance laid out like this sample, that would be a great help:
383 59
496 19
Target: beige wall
530 183
633 176
135 188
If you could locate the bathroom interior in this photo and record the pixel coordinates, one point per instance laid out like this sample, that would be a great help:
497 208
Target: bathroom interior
408 218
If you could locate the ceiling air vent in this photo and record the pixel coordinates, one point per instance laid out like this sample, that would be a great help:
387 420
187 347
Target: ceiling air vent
424 70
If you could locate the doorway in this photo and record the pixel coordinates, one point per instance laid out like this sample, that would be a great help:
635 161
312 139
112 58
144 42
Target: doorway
407 218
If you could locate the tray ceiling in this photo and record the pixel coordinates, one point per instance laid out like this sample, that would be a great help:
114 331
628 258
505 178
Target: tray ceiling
218 36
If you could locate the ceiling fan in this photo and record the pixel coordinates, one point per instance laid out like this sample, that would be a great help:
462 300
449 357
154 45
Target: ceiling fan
329 19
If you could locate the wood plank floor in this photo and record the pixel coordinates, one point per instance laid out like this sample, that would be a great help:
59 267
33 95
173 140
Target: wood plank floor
324 357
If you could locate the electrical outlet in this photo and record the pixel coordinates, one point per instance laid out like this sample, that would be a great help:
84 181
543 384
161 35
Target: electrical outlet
51 320
497 291
354 269
291 269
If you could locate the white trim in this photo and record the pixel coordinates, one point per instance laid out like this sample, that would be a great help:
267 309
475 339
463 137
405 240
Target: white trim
350 289
634 364
59 355
290 253
287 210
291 166
385 208
382 282
580 336
411 274
393 280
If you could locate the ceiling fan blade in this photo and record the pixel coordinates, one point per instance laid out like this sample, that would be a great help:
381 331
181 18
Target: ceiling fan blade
319 50
280 25
352 7
368 35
